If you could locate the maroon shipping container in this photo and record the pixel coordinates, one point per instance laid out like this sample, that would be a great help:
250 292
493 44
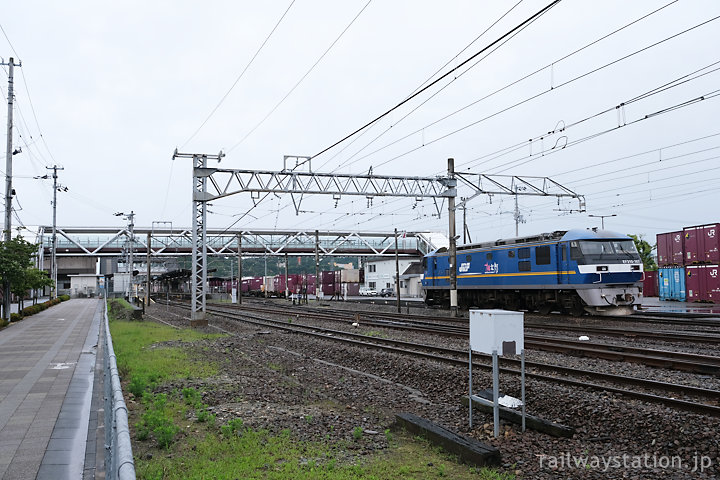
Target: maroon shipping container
702 283
701 244
293 281
256 285
328 289
352 288
328 276
650 284
245 285
670 248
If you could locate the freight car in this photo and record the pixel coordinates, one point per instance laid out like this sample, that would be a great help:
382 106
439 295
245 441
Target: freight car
573 271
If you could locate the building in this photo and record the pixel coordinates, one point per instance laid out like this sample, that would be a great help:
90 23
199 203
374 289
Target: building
84 285
380 274
411 280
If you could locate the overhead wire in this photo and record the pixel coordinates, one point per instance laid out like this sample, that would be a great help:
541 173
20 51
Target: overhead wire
442 77
297 84
507 86
239 77
420 86
530 98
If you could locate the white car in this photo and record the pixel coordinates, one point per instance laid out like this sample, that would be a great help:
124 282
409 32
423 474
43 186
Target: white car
369 292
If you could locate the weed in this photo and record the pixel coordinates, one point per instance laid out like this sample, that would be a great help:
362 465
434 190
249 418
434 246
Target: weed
233 427
441 470
156 420
137 386
357 433
308 418
191 396
388 435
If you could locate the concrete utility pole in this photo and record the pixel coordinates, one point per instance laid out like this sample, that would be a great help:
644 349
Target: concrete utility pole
239 254
397 273
8 177
147 282
287 287
317 266
53 260
452 258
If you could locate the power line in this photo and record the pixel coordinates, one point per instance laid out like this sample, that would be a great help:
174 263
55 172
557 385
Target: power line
257 52
418 87
445 75
301 79
526 100
527 76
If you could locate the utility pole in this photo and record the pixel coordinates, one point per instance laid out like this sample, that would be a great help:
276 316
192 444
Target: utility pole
397 273
147 283
8 177
129 217
452 258
239 287
53 260
317 266
287 286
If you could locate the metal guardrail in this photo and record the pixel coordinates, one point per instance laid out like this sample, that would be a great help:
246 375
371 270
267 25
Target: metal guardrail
119 463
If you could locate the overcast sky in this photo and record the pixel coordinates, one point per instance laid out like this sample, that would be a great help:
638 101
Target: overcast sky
109 90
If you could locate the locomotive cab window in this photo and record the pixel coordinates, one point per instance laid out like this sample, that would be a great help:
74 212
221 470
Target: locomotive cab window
524 252
511 253
542 255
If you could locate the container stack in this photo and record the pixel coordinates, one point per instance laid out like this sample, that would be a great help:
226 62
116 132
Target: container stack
688 261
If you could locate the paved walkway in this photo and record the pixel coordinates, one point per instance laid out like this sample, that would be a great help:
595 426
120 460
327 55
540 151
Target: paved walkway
47 371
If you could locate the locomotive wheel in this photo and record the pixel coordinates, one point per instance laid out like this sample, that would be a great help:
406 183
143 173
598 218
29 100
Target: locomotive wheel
544 308
577 310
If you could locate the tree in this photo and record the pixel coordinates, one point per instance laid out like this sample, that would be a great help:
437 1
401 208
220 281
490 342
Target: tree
38 279
645 250
16 259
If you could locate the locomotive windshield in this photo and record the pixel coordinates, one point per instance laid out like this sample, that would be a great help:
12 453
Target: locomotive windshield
604 250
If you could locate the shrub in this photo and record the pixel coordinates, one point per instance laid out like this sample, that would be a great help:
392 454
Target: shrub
64 298
14 317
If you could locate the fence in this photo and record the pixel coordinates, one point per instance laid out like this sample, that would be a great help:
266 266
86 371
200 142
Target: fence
119 462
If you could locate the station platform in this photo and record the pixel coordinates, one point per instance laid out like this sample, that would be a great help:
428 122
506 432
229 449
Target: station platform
50 394
655 305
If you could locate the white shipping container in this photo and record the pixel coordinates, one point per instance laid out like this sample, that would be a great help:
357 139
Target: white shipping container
350 276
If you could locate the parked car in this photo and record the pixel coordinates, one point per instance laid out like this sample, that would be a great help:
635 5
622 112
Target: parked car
387 292
367 291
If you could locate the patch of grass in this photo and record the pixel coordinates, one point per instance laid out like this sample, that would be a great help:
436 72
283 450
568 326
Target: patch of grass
146 361
249 454
157 419
375 333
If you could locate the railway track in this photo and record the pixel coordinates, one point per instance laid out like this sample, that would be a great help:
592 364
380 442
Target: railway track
688 362
460 358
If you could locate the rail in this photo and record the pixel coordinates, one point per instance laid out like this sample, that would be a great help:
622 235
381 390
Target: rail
119 463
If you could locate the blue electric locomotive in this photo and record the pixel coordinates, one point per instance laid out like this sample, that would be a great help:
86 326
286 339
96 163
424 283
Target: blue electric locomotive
572 271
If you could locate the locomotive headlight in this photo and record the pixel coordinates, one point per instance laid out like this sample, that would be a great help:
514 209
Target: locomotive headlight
601 268
635 267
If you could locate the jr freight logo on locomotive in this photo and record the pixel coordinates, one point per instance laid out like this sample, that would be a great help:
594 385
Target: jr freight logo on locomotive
492 267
